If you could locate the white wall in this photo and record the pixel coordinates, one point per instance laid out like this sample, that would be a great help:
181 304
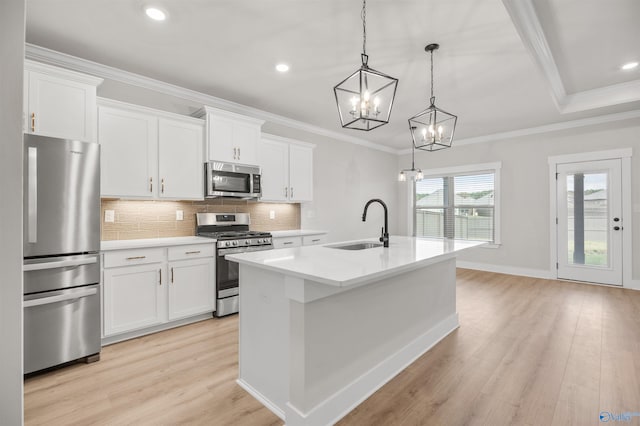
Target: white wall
525 187
345 177
12 27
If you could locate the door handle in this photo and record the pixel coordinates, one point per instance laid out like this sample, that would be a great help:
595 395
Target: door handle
59 264
151 184
33 121
160 270
235 153
32 196
171 275
60 298
238 153
292 192
162 185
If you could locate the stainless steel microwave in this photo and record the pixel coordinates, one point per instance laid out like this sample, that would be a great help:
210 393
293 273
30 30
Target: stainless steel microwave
232 180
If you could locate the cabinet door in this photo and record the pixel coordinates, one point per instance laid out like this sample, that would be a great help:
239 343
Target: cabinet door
180 164
191 287
274 163
221 144
134 297
60 108
246 138
286 242
300 173
129 156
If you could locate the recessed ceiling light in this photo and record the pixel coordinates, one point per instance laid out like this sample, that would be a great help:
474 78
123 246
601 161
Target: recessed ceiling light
629 66
155 14
282 67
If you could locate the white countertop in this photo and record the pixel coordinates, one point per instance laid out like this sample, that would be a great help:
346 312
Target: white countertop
343 268
153 242
295 233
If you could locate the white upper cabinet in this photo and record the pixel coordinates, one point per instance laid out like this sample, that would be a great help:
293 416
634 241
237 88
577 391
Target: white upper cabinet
274 164
231 137
128 158
300 173
149 154
59 103
180 163
286 169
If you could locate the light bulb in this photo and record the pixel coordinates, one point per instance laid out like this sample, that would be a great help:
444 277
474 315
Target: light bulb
440 130
424 132
155 14
402 177
376 101
354 103
432 130
367 95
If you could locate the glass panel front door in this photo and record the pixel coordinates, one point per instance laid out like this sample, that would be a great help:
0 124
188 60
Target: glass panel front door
589 221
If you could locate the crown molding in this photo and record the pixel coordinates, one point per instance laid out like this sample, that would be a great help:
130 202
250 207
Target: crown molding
527 23
548 128
52 57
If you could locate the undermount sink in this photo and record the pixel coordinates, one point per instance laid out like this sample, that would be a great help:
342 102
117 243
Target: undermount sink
361 245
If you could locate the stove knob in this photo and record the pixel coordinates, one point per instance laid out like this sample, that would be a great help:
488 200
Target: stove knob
247 242
226 243
235 243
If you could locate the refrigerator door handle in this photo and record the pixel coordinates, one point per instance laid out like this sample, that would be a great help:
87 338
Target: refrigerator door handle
59 264
60 298
32 196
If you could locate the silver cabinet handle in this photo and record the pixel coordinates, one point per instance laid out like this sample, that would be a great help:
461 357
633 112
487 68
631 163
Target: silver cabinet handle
286 192
58 264
33 121
171 275
286 243
235 153
151 184
32 196
162 185
238 153
192 252
292 192
160 270
316 240
60 298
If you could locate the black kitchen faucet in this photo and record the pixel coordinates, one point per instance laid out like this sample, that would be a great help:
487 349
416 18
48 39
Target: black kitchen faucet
384 238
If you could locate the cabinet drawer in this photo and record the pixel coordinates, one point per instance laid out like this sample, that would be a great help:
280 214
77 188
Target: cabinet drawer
287 242
310 240
191 252
133 257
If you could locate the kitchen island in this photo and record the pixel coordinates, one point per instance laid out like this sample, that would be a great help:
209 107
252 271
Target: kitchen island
323 327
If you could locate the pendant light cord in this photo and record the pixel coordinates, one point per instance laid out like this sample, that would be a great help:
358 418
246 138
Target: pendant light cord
364 27
432 76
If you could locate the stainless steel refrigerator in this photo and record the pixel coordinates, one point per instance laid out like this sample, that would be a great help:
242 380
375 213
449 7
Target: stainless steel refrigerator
61 240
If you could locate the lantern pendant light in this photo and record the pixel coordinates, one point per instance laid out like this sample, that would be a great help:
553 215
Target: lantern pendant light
365 98
412 173
433 128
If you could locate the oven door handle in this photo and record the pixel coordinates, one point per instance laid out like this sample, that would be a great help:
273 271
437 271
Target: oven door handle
224 252
60 298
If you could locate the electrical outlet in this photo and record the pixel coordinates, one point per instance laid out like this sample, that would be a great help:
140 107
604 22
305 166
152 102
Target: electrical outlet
272 214
179 214
109 216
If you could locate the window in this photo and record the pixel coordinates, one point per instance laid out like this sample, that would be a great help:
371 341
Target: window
459 203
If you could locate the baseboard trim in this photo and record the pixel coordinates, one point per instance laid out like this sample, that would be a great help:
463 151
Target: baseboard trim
342 402
109 340
510 270
263 399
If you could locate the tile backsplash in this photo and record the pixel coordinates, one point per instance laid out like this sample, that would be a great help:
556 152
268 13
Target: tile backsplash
154 219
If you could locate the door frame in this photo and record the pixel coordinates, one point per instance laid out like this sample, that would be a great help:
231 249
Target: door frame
624 155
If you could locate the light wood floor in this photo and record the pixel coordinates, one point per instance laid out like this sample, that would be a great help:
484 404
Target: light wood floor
528 352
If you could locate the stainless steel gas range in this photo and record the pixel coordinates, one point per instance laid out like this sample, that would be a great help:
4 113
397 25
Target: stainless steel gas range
233 235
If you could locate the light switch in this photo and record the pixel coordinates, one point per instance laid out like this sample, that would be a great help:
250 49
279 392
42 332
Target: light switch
109 216
179 214
272 214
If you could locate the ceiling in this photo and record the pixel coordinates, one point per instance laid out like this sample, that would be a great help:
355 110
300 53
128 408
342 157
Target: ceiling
502 65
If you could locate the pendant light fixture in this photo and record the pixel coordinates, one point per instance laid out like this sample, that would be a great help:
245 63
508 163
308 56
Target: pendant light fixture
365 98
412 173
433 128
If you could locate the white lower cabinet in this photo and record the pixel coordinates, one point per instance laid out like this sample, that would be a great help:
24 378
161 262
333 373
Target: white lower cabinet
190 289
133 297
149 287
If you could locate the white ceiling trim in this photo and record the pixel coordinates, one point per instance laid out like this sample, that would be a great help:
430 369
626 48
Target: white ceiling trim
528 25
565 125
64 60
